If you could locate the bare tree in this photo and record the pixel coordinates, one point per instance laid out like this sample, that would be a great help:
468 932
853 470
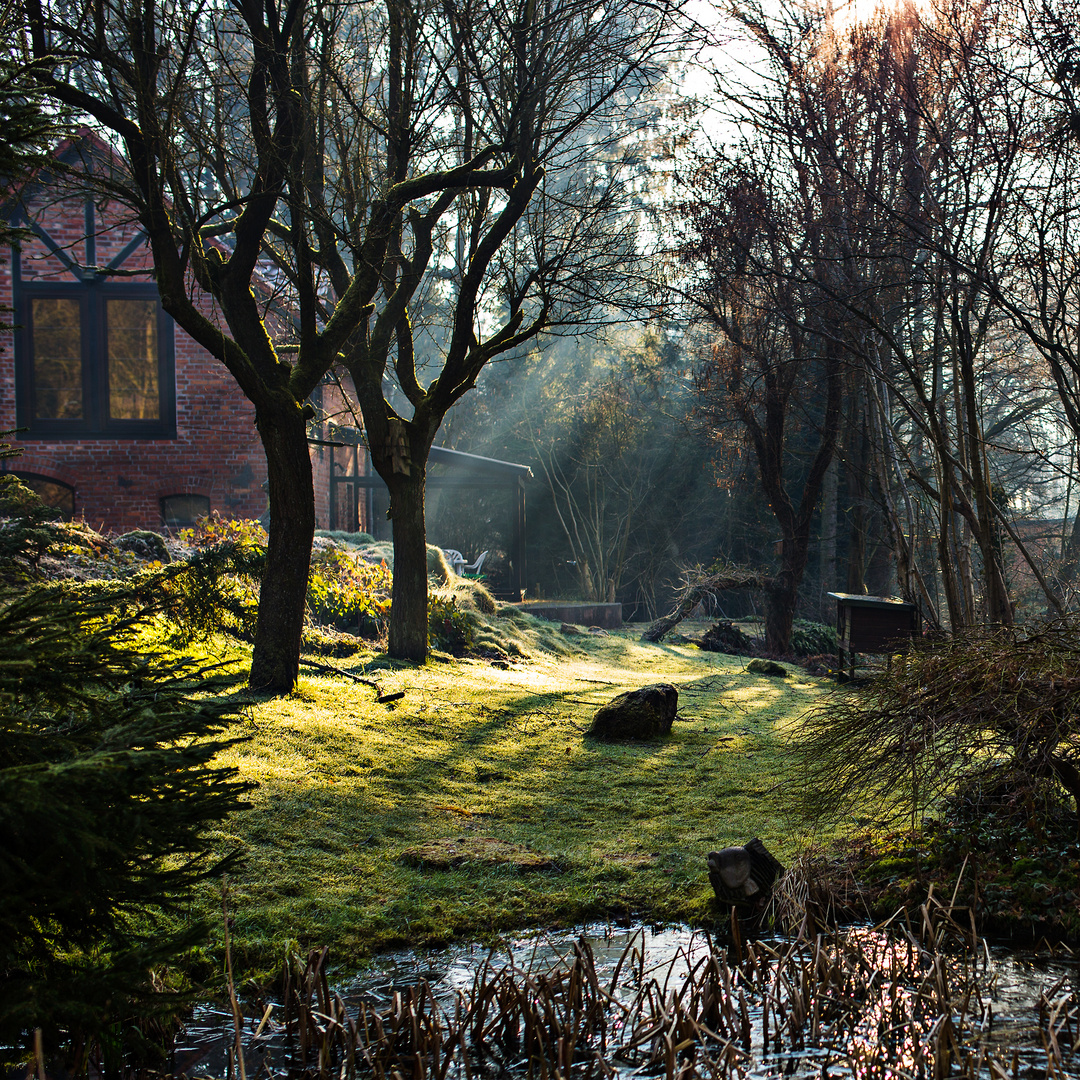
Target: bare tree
951 378
756 237
594 423
1034 279
326 165
897 147
623 500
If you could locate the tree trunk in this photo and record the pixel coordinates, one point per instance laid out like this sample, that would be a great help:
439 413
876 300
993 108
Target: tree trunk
782 594
1069 776
781 597
409 599
947 550
275 661
1070 560
858 471
697 591
827 552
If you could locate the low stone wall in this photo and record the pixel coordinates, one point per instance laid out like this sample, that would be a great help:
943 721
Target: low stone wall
608 616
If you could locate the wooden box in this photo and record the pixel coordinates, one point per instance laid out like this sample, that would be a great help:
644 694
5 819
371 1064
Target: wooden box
872 624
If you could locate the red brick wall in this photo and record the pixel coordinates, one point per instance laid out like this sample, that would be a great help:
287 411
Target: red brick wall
119 483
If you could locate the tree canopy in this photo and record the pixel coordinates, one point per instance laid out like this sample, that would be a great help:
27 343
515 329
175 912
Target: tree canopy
312 176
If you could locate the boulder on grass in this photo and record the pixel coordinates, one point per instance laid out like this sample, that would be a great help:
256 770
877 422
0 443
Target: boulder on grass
638 714
767 667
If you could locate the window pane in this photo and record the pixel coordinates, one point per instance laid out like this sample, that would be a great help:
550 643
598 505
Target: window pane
52 493
133 359
180 510
57 338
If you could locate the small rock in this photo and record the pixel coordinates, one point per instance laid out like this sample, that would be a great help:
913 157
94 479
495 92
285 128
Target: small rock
145 544
638 714
767 667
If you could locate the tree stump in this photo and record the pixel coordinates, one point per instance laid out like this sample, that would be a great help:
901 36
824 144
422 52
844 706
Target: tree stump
742 879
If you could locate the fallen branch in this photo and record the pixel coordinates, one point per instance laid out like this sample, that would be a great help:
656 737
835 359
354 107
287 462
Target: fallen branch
698 588
331 670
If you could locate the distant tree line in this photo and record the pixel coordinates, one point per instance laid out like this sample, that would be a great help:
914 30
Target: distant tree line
882 263
872 384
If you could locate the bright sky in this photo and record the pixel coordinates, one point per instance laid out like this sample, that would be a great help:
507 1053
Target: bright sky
736 55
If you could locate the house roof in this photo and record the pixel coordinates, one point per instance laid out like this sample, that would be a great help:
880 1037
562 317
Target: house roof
85 146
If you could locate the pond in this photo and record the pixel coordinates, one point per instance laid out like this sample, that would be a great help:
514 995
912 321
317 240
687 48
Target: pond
669 1002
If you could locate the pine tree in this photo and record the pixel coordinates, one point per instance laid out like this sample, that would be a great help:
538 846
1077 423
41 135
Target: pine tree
108 792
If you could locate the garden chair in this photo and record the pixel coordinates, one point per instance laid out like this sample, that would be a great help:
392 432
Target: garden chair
473 569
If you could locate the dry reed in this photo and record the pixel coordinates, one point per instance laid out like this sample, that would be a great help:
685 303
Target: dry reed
909 1001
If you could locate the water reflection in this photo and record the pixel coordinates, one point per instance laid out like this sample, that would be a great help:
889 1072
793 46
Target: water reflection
861 1003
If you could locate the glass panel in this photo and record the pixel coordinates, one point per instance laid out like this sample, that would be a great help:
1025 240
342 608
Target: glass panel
132 348
179 510
57 363
52 493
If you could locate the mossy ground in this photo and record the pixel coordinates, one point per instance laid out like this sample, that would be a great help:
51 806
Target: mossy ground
1018 876
478 758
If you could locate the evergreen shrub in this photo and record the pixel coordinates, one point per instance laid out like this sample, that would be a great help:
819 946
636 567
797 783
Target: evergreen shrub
812 638
26 531
216 591
108 796
219 589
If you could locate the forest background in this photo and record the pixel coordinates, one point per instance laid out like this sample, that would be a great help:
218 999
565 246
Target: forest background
810 310
861 371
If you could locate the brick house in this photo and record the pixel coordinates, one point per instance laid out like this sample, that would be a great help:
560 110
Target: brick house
129 423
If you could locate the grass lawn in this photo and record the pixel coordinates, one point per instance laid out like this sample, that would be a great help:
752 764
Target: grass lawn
474 804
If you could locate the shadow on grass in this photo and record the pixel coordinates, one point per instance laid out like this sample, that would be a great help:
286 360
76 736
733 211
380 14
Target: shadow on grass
350 787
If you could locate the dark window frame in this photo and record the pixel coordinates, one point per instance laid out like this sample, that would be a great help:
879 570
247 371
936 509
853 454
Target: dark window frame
95 422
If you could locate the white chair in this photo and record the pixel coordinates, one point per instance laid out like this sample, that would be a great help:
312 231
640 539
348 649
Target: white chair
473 569
456 560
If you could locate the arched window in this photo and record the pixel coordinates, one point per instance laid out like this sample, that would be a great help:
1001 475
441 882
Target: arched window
182 511
54 493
